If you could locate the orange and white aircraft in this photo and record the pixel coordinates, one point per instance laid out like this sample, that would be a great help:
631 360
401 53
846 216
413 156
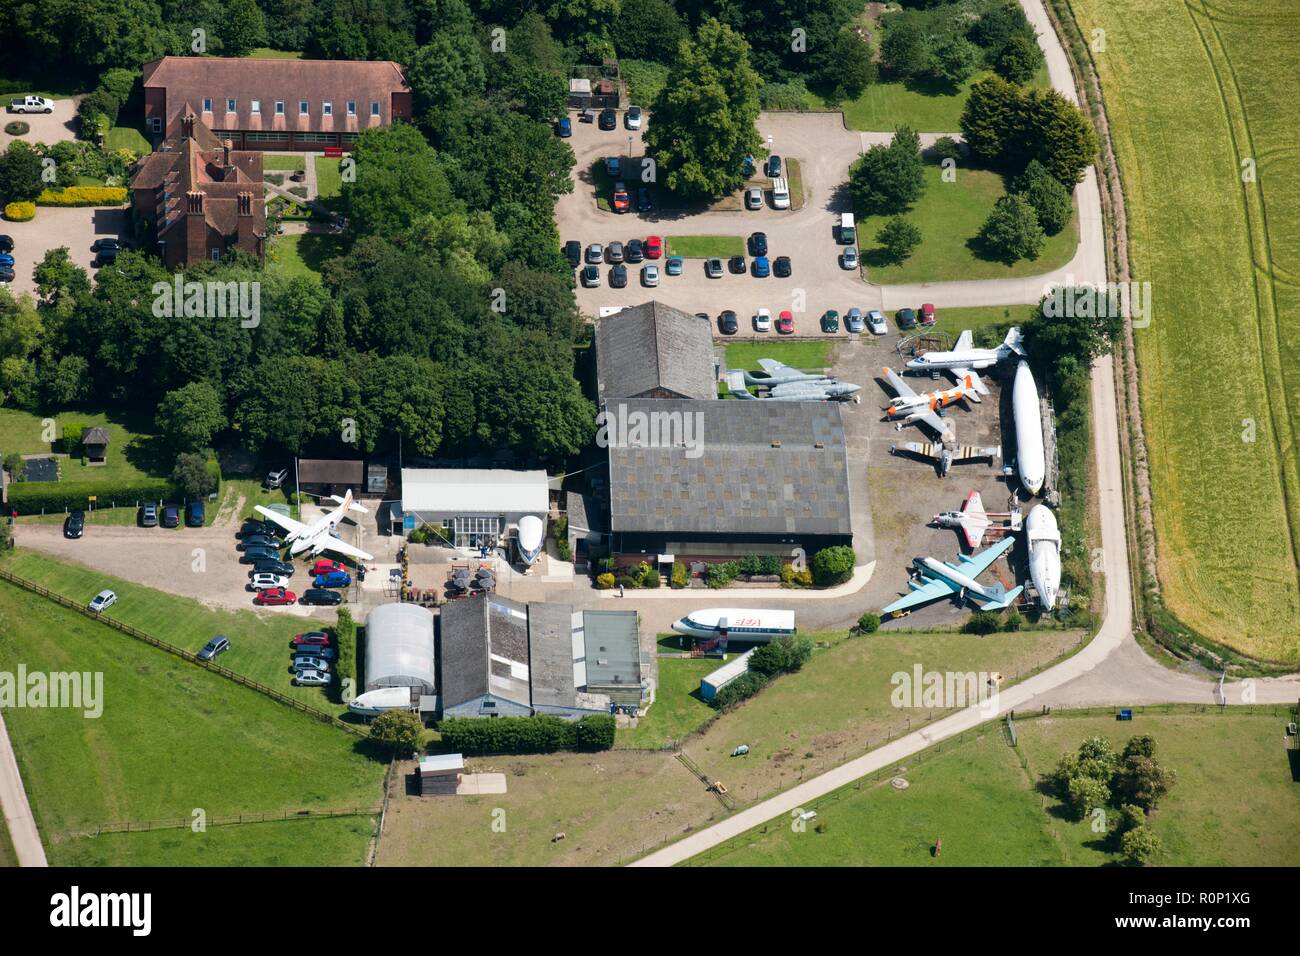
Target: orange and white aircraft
320 535
922 407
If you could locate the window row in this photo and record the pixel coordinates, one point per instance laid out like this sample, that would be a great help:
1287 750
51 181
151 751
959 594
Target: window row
304 107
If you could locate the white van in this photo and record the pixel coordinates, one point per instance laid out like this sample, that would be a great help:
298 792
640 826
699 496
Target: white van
781 193
848 235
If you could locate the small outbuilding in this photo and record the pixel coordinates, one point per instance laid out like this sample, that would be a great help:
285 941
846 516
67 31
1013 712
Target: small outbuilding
94 442
331 476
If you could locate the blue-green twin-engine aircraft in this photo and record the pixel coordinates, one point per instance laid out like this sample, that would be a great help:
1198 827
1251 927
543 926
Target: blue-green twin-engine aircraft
934 579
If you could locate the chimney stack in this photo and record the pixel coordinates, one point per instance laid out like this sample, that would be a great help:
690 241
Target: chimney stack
245 204
194 203
187 126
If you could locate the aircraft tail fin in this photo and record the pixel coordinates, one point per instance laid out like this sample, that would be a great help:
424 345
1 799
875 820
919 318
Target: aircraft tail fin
736 385
1003 600
352 506
1014 340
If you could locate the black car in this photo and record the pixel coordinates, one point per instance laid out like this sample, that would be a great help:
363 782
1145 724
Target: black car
6 274
736 265
257 526
608 120
218 645
258 554
573 252
74 525
906 319
643 201
282 568
773 167
634 251
259 541
194 515
320 596
171 516
758 244
617 277
149 515
781 267
106 251
6 243
727 323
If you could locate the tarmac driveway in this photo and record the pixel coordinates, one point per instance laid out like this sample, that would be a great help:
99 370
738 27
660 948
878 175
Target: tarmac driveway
76 227
46 127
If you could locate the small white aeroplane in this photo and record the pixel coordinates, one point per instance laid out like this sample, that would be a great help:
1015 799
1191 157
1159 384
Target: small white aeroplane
319 535
974 522
945 456
964 358
742 624
924 406
939 579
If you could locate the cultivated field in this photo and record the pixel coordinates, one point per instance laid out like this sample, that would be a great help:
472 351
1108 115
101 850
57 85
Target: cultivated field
982 799
1223 260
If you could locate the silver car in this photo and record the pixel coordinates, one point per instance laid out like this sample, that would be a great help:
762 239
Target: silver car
649 276
713 268
853 320
849 258
311 678
754 197
876 322
596 253
310 664
103 601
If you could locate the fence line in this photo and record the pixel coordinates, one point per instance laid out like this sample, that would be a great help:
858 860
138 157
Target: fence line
279 697
240 819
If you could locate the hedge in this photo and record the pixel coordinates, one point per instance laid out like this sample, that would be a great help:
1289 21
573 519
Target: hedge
20 211
33 497
345 634
527 735
83 196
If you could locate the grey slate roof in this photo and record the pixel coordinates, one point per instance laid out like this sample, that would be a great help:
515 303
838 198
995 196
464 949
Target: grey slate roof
550 648
463 626
740 483
653 347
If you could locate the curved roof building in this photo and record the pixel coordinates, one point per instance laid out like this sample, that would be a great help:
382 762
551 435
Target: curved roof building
399 648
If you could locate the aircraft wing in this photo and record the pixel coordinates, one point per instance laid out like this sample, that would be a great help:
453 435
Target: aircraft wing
933 589
964 341
940 427
977 564
771 366
974 522
900 387
331 543
284 521
978 387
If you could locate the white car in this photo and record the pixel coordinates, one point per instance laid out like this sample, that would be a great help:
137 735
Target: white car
633 117
849 258
876 322
713 268
311 678
591 277
650 275
310 664
103 601
754 197
31 104
264 579
763 320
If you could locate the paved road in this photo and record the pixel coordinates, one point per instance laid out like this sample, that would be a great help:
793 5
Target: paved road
17 811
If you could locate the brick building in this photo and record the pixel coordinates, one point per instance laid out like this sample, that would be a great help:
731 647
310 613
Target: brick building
275 104
198 198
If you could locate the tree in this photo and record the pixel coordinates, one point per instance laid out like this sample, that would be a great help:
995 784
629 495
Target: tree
981 622
69 383
1085 794
398 731
446 71
16 465
1058 134
398 179
1020 58
243 27
898 237
20 173
904 46
833 565
843 68
1141 780
189 417
1067 340
991 119
704 117
1140 846
868 623
1012 232
192 477
1050 199
648 30
953 60
781 656
889 178
57 276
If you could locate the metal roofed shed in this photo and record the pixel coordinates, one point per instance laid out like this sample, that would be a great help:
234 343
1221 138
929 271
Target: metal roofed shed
400 648
477 505
440 774
612 655
711 683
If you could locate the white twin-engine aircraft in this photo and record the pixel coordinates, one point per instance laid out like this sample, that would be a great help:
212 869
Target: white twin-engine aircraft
319 535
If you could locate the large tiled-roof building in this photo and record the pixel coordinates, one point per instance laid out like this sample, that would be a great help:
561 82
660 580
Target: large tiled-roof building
270 104
200 198
654 351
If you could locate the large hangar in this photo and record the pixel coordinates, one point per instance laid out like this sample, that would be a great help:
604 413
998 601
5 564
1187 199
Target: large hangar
400 648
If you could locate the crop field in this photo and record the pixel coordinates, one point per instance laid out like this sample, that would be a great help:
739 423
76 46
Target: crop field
981 798
1210 169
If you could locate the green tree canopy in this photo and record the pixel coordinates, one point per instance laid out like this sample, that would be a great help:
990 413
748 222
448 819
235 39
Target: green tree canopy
190 417
889 178
1012 232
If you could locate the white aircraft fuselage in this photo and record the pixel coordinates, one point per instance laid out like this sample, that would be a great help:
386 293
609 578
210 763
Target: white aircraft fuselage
965 582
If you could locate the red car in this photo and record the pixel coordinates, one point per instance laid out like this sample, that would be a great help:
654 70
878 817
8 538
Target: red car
325 566
275 597
785 323
621 201
927 314
311 639
654 247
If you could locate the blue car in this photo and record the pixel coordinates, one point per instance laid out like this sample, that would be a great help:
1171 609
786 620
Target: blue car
673 265
335 579
565 127
6 259
762 268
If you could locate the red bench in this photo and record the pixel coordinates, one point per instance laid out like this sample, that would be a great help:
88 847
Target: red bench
333 150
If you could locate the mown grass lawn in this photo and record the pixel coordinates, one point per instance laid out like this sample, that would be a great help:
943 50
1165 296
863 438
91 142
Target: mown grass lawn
259 646
132 452
814 355
678 708
127 137
304 253
172 736
949 216
286 162
705 247
329 180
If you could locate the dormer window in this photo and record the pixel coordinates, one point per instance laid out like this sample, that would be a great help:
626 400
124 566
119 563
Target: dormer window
230 106
302 108
207 104
327 109
256 106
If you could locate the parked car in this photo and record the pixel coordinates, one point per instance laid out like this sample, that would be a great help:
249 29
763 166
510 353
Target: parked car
253 526
762 268
608 120
261 540
781 267
218 645
6 260
99 245
727 323
282 568
274 597
149 515
7 275
849 258
853 320
564 128
654 247
613 165
634 251
830 321
590 277
326 566
264 579
258 554
621 201
309 663
596 253
311 639
754 197
876 322
632 118
74 525
321 596
274 479
573 252
758 244
927 314
31 104
103 601
6 243
773 166
587 116
171 516
618 276
763 320
713 268
311 678
650 275
785 323
614 252
643 201
736 265
673 265
334 579
106 255
905 318
195 516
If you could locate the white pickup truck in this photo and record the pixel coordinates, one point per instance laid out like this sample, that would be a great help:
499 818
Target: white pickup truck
31 104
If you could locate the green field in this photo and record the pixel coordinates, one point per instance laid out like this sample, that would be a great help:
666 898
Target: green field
132 453
813 355
259 645
304 253
977 796
7 855
949 216
334 841
172 738
127 137
286 162
1222 256
706 247
678 709
329 181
